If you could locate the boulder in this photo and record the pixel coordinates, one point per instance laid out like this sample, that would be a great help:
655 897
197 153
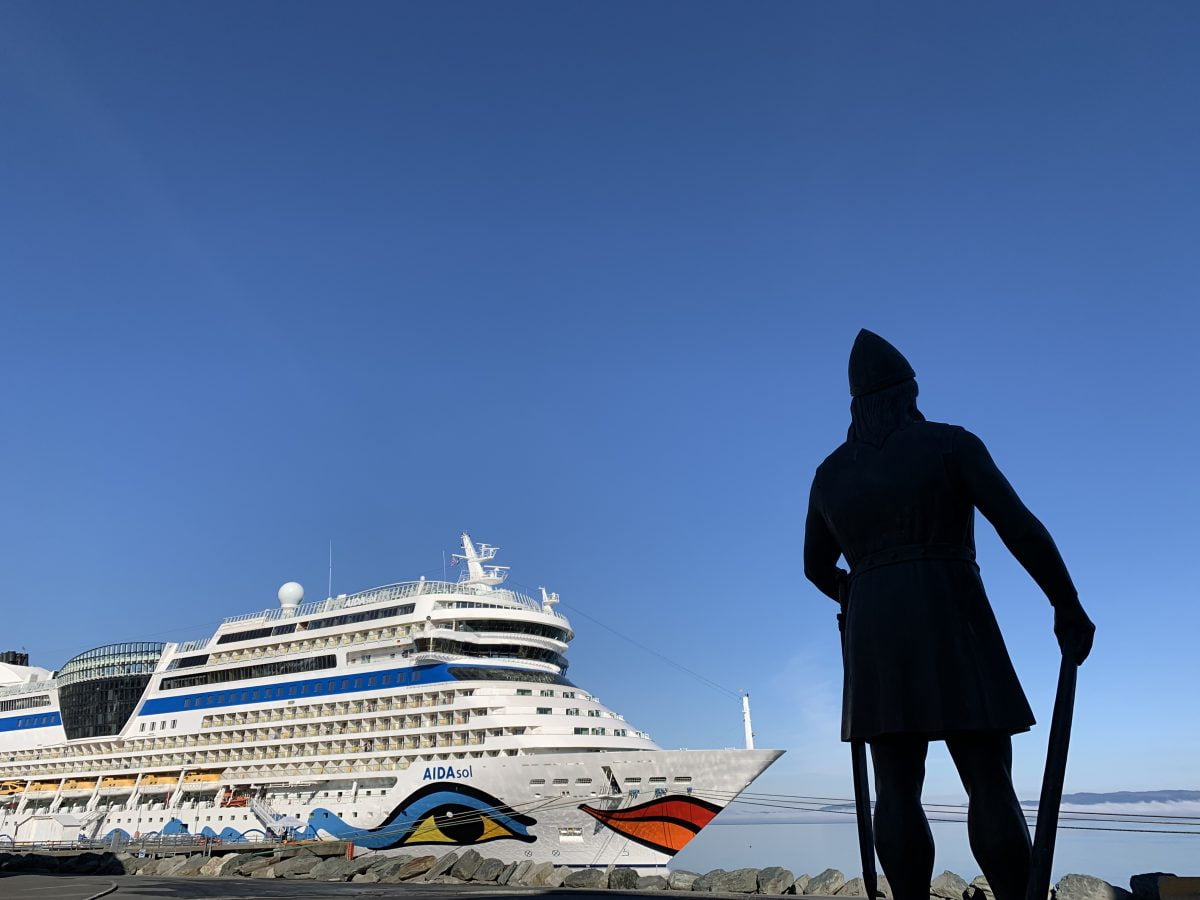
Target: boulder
1086 887
586 878
855 887
507 873
405 871
445 879
442 866
883 887
264 872
682 880
558 876
229 865
948 886
192 865
133 864
333 869
775 880
252 865
1145 885
739 881
623 880
467 864
365 863
368 877
211 867
537 875
652 883
705 881
172 864
801 885
489 870
296 867
826 884
518 872
979 889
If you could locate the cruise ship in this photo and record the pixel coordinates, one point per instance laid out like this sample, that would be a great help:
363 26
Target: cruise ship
427 714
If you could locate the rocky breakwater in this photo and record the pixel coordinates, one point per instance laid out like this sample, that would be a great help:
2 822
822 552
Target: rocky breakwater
316 863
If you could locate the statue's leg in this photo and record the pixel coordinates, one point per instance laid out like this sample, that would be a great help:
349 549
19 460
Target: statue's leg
903 840
995 822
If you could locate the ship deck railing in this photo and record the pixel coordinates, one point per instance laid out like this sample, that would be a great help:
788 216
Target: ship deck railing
399 591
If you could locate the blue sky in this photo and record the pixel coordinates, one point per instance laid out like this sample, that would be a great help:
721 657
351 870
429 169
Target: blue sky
582 280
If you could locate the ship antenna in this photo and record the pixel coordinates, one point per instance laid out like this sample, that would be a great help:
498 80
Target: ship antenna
746 720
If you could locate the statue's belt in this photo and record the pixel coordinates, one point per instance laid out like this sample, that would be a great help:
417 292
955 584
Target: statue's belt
910 553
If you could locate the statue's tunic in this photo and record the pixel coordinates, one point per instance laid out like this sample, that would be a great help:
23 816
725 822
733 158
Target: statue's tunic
923 655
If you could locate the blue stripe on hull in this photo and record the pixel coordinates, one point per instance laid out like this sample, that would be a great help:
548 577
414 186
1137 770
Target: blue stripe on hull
20 723
330 686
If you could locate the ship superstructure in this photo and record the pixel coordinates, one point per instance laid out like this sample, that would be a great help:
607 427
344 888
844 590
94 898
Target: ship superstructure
430 713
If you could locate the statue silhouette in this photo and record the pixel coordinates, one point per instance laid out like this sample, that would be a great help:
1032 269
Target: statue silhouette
924 657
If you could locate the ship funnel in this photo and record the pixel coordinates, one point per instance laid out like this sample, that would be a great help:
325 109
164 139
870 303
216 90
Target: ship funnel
290 596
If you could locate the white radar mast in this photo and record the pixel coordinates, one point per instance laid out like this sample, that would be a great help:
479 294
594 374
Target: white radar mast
477 573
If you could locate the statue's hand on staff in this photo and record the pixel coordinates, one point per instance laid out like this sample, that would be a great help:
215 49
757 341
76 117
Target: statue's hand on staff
1074 631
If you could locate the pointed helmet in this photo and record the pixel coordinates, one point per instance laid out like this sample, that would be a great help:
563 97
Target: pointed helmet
875 364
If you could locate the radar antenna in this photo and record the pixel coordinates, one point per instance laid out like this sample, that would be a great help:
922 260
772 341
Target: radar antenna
477 573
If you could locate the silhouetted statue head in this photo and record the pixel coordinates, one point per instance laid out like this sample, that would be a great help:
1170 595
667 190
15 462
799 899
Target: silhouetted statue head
883 387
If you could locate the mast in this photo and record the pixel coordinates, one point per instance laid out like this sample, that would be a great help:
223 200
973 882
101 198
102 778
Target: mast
746 721
477 573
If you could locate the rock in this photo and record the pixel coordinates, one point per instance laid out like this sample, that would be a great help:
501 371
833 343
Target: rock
211 867
855 887
705 881
537 875
172 865
133 864
1086 887
264 872
333 869
586 878
558 876
378 860
739 881
652 883
801 885
507 873
1145 885
623 880
489 870
467 864
682 880
883 887
775 880
445 879
252 865
948 886
368 877
518 872
826 884
229 865
192 866
407 870
296 867
443 865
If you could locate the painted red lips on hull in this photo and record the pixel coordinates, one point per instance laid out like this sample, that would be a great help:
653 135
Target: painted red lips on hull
665 824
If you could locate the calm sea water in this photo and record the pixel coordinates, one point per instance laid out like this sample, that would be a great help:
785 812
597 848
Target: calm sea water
813 847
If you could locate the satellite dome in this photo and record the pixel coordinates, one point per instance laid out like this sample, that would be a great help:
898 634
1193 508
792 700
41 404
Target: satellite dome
291 594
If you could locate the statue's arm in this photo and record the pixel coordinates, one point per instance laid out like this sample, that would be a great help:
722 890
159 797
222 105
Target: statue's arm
1020 530
821 551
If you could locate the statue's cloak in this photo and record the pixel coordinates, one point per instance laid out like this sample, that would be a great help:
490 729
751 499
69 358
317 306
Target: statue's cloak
924 655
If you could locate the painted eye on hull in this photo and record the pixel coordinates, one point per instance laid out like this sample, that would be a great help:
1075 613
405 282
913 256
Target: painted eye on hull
443 813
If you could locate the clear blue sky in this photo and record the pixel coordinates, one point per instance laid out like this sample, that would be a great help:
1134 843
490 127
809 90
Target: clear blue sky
582 279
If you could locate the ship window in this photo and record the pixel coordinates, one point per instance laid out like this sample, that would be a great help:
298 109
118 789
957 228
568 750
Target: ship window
142 727
523 692
658 779
358 682
568 695
173 721
546 693
572 712
583 781
537 780
544 710
562 781
345 684
683 778
387 679
581 731
371 682
187 704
